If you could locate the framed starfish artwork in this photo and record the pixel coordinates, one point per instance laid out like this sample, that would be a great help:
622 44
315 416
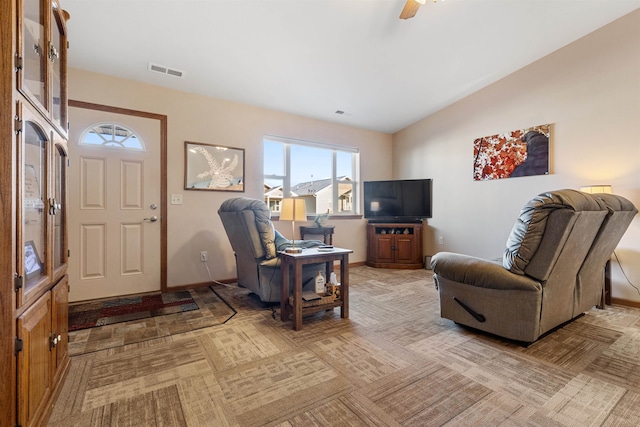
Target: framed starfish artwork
213 167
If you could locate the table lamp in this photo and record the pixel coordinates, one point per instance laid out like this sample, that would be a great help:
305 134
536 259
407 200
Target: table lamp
293 209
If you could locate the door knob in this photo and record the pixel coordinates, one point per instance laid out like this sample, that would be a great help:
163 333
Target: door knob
152 219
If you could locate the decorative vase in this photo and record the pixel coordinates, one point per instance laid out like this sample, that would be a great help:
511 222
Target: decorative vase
321 220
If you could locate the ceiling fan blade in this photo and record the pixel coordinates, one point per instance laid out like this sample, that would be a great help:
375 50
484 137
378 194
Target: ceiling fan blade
410 9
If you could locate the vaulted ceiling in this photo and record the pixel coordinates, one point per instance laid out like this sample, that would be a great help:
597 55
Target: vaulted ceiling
316 57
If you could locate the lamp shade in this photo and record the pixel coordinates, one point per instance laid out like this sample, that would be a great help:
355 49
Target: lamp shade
293 209
594 189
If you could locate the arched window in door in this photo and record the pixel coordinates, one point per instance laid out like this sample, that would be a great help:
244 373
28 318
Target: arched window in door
112 135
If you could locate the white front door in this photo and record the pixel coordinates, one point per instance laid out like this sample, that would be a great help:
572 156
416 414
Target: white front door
114 207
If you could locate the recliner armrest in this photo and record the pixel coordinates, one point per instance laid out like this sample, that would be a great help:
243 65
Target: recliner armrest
480 273
282 243
271 262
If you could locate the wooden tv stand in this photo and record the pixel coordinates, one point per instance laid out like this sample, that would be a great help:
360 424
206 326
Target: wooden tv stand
394 245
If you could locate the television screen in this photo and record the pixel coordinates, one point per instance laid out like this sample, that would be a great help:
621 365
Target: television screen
397 200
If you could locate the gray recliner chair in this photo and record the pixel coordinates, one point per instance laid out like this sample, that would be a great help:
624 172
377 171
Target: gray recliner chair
591 274
256 243
542 281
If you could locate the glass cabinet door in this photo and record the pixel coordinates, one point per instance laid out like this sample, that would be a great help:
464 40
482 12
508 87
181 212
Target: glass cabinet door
57 57
34 215
42 50
34 51
57 207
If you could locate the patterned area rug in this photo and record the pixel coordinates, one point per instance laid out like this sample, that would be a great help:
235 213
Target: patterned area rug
106 312
209 309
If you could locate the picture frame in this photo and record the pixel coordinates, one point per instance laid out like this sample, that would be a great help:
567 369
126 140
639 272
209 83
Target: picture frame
32 263
517 153
210 167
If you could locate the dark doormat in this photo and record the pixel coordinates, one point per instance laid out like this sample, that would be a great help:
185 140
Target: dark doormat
100 325
106 312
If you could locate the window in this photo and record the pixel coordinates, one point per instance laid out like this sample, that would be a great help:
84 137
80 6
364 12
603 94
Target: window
325 175
111 135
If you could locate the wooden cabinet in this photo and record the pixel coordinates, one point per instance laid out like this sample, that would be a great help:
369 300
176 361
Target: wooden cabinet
392 245
41 286
33 165
42 352
60 329
34 361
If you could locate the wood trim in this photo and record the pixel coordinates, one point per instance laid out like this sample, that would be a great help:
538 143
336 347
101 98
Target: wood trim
625 302
163 171
7 214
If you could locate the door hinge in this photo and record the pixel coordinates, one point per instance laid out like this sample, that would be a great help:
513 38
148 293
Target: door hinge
18 282
18 63
18 346
68 253
17 124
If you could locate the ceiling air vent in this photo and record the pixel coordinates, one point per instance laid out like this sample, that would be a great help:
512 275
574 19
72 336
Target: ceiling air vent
165 70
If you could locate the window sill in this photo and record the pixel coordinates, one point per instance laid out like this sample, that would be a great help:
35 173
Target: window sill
311 218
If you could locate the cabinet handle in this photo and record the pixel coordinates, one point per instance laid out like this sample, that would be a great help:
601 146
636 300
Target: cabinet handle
54 206
53 341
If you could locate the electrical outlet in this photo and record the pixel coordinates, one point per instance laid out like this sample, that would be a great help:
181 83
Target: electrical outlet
204 256
441 240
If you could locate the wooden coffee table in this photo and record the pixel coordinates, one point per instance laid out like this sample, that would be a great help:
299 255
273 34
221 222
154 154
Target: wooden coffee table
291 263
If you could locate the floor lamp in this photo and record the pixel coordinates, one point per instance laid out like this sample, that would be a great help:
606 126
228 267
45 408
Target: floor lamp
293 209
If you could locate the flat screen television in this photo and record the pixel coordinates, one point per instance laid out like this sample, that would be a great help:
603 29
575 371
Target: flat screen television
407 200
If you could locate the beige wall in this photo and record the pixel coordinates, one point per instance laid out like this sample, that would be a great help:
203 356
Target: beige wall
589 91
195 226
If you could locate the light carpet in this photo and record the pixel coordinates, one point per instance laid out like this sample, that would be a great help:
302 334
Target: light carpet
394 362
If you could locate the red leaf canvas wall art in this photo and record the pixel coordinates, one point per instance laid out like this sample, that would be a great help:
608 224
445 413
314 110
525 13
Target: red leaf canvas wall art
521 152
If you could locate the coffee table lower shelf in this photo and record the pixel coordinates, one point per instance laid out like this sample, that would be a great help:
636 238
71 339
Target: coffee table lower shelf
309 307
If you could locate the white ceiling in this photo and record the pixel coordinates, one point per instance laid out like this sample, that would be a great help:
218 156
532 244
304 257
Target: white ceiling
313 57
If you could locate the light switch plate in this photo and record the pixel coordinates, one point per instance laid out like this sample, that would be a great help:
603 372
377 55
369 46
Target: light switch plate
176 199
